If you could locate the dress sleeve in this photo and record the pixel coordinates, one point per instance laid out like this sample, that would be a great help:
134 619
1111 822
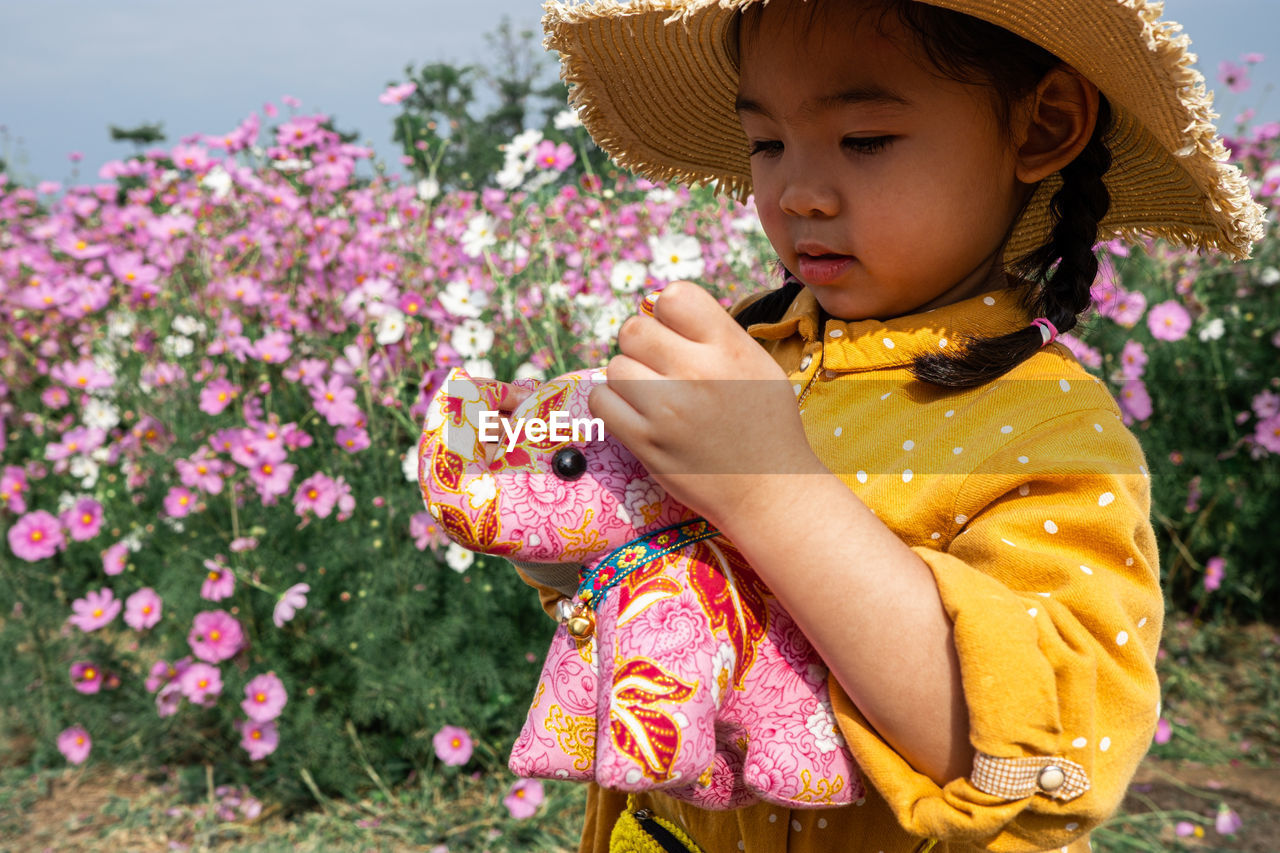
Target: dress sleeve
1052 586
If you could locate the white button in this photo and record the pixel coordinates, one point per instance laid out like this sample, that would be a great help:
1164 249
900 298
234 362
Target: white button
829 374
805 362
1051 778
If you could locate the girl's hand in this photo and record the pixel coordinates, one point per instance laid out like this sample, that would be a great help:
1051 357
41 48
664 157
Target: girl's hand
512 397
723 421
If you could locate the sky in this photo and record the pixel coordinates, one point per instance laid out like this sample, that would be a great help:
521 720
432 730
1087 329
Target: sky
69 68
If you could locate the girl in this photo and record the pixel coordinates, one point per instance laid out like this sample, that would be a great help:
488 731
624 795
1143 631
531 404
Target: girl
948 505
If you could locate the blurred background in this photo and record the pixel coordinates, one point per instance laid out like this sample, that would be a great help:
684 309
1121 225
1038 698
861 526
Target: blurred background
71 68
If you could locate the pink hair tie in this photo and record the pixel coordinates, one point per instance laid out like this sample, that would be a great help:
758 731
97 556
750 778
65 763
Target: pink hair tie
1048 331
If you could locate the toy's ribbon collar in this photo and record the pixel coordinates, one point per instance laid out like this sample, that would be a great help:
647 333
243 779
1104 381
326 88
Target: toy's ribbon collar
625 559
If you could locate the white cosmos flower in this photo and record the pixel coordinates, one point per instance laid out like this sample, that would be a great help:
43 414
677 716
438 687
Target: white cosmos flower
471 338
676 256
428 188
462 299
187 325
512 174
628 276
524 143
566 119
528 371
177 346
409 465
390 327
458 558
479 235
218 181
1269 276
1212 330
606 324
100 413
478 367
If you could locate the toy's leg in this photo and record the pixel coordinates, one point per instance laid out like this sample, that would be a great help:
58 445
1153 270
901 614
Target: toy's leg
559 734
657 722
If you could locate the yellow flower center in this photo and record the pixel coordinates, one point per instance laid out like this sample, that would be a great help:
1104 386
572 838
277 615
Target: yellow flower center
312 494
215 635
90 674
146 610
260 698
202 683
86 519
37 535
267 469
81 245
256 734
213 576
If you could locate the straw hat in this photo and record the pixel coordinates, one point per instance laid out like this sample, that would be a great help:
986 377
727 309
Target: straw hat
654 82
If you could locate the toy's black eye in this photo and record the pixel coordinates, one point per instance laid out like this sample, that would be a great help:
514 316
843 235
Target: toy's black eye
569 463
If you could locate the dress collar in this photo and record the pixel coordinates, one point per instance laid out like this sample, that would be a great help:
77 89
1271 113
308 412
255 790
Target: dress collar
872 344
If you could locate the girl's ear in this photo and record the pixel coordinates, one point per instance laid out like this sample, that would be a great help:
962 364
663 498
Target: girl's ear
1055 124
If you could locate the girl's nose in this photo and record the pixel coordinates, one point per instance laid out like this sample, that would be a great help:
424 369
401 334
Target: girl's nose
808 193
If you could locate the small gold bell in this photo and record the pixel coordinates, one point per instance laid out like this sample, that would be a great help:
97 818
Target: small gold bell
581 626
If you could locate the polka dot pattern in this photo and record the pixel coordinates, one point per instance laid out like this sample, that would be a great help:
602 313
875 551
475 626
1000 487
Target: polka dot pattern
1106 499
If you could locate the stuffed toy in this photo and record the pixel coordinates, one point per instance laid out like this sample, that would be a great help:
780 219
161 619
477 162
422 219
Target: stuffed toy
673 666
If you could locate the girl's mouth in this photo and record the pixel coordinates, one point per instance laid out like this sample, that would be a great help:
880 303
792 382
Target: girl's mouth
822 269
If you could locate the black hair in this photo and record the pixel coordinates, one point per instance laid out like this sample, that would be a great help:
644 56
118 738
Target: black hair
1059 273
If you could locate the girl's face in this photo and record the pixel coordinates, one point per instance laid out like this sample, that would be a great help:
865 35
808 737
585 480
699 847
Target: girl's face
884 187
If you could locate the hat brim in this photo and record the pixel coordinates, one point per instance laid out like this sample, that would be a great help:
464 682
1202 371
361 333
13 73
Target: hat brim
654 83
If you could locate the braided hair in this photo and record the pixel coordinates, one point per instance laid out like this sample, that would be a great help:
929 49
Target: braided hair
1059 273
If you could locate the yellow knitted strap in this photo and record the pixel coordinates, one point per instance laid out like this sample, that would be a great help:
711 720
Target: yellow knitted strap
630 836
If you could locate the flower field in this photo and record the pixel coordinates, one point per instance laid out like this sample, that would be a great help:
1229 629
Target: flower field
214 360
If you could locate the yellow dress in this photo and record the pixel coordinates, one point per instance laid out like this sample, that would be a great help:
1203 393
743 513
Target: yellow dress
1029 500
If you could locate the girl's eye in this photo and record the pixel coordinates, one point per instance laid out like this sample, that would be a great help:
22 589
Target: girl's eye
867 144
765 146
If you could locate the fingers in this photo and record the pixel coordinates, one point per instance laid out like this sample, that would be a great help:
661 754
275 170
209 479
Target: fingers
511 396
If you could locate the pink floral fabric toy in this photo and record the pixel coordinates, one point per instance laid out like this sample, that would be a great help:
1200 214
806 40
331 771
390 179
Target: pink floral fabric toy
673 666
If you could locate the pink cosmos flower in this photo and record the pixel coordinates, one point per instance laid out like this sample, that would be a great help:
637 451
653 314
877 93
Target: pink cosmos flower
1169 321
215 636
74 744
293 600
54 397
169 699
264 697
1265 404
113 559
524 798
1184 828
273 348
1135 402
336 401
1267 433
1133 360
142 609
202 471
453 745
83 520
272 479
259 739
1164 731
201 683
1214 570
1235 76
82 375
1227 821
396 93
549 155
163 672
351 439
179 502
426 532
86 677
318 493
96 609
217 395
13 485
219 583
1129 308
35 536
